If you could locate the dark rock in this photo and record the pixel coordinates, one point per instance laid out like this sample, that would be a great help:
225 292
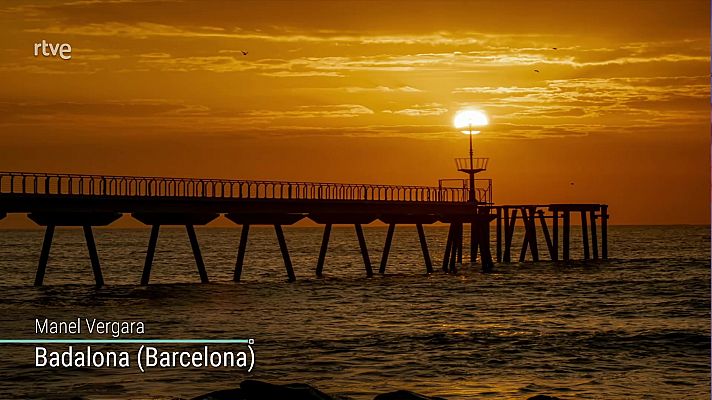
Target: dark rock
543 397
229 394
404 395
257 390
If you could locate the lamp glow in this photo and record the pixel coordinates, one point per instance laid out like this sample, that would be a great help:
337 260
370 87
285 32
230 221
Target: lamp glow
468 119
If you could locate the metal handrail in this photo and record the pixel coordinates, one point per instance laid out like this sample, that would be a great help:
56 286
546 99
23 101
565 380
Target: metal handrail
463 163
483 187
54 184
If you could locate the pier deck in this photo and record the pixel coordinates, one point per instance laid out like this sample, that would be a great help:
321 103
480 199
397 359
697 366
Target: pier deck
52 200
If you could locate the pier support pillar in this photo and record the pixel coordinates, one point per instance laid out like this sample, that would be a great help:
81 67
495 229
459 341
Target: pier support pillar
241 248
604 232
322 250
526 242
567 234
44 255
387 248
424 248
150 252
533 242
510 222
547 237
93 255
460 230
555 239
473 243
584 236
364 250
485 252
456 235
594 234
498 234
196 253
285 253
448 248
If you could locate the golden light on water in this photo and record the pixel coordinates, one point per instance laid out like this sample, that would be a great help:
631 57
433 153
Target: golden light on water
468 119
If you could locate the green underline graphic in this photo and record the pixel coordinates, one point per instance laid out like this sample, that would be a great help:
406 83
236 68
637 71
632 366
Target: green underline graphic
129 341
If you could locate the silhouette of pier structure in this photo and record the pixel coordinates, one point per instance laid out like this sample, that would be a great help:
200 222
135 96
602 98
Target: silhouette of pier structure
87 201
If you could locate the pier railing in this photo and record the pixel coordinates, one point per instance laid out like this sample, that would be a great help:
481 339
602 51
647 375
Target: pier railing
49 184
483 187
478 163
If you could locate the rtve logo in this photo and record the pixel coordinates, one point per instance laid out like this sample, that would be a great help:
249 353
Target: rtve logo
63 50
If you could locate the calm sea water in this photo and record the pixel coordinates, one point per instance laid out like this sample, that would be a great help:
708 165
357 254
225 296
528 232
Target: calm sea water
637 326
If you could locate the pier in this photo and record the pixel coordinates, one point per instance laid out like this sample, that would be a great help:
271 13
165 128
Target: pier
88 201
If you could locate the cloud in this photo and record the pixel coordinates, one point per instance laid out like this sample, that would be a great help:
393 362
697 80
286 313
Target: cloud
417 110
382 89
143 30
500 90
207 63
300 74
326 111
635 98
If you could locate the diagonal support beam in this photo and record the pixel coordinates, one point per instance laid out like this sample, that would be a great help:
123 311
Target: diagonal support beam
242 247
322 250
285 253
547 237
364 250
424 248
93 256
44 255
150 252
387 248
196 253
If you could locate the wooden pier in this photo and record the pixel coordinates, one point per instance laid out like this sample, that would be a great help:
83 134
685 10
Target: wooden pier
87 201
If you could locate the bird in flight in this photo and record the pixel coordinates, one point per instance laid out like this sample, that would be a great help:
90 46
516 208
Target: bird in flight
244 53
555 48
536 70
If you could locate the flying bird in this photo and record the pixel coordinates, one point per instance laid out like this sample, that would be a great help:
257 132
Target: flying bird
572 184
536 70
244 53
555 48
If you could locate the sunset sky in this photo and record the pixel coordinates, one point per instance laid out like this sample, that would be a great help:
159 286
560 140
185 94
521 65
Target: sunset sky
366 92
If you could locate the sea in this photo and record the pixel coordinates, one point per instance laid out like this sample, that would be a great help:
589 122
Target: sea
636 326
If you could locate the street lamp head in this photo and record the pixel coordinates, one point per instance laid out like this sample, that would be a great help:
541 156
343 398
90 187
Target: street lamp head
465 120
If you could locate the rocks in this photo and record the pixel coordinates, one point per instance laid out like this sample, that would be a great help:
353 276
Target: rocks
404 395
229 394
296 391
257 390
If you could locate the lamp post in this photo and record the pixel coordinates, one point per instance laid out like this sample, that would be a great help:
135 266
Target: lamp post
468 119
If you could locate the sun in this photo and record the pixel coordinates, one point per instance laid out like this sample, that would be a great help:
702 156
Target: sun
470 118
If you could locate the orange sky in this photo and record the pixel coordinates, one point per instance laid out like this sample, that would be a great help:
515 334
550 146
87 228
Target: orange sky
366 92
